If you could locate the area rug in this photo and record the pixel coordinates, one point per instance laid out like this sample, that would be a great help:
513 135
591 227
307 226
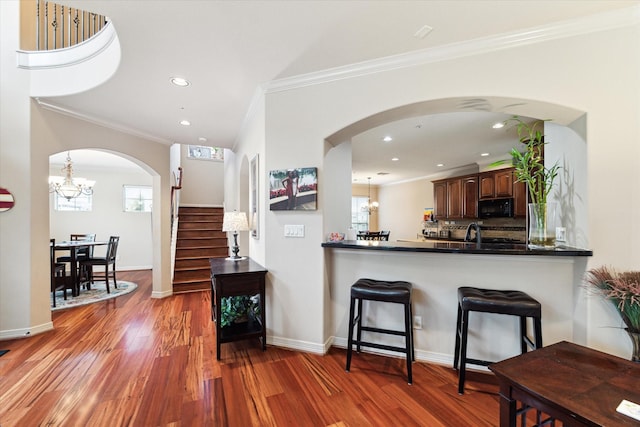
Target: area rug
97 293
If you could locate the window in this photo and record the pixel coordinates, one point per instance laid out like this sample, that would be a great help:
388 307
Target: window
82 203
203 152
359 216
137 198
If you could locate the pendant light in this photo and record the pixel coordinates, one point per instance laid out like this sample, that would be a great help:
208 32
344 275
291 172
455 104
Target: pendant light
67 186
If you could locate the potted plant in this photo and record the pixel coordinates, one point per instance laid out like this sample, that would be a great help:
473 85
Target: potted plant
623 290
237 309
530 169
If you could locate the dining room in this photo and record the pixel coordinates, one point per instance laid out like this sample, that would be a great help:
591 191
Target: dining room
118 204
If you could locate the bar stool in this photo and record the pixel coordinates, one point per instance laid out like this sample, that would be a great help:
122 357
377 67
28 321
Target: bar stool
515 303
384 291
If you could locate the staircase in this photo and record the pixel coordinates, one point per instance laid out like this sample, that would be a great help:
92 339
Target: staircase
200 237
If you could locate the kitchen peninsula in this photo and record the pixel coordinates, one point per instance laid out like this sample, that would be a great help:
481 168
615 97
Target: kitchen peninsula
436 270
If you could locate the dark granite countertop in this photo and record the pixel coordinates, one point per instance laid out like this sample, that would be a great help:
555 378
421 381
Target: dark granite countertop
457 247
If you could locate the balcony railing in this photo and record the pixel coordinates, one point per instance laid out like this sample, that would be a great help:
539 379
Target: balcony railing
59 26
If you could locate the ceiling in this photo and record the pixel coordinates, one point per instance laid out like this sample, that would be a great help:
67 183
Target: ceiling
230 50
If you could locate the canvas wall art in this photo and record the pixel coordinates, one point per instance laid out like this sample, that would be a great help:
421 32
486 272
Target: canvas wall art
293 189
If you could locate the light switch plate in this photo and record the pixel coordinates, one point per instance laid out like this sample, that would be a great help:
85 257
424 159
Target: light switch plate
293 230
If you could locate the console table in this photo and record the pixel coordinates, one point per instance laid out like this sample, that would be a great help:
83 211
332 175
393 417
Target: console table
234 278
571 383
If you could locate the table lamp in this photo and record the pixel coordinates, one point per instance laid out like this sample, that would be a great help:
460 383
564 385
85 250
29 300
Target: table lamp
235 221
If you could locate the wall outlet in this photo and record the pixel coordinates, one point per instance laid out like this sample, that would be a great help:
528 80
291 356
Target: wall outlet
561 234
417 322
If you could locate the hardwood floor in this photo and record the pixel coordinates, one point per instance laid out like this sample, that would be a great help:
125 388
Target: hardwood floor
137 361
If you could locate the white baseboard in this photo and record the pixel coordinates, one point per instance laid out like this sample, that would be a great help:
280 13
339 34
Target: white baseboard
25 332
163 294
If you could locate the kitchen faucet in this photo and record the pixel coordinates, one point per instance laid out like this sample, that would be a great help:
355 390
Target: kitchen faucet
476 227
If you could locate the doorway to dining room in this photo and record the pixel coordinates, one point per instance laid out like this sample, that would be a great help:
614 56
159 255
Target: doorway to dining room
109 210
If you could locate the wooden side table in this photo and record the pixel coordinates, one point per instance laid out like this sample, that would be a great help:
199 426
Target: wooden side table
235 278
568 382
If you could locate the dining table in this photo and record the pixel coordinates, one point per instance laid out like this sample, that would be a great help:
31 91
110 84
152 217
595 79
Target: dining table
72 246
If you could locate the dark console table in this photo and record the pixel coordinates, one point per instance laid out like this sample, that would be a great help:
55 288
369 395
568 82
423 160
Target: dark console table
573 384
234 278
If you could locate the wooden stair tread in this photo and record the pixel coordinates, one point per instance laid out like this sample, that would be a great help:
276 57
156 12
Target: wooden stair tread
200 237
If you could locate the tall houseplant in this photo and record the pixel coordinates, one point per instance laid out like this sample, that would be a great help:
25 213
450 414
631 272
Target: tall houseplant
623 290
530 169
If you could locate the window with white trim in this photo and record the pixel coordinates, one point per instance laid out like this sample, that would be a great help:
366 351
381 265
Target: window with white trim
137 198
359 216
82 203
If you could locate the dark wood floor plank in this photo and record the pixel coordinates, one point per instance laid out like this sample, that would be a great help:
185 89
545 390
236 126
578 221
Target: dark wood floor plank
138 361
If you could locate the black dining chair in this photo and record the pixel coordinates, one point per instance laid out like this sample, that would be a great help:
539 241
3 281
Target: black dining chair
81 253
58 273
106 261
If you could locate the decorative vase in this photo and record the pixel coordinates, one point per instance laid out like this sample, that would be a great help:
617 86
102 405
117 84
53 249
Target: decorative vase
635 340
542 225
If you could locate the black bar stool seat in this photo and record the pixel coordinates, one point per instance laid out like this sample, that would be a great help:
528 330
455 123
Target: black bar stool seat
514 303
398 292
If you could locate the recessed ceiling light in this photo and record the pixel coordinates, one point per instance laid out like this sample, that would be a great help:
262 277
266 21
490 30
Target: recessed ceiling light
179 81
498 125
484 154
394 159
440 165
185 122
202 139
387 139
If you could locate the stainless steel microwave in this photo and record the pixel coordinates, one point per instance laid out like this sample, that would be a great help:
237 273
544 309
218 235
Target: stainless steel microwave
495 208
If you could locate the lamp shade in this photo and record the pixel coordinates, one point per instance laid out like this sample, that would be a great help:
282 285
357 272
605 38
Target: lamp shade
235 221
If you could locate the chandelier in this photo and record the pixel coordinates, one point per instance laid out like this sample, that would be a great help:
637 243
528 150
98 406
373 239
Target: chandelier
370 206
67 186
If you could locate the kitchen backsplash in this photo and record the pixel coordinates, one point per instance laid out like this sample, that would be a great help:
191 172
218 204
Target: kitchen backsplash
508 228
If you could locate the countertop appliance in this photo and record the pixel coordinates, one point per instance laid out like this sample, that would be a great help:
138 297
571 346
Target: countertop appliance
495 208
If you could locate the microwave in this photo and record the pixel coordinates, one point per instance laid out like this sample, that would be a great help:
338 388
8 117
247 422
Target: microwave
495 208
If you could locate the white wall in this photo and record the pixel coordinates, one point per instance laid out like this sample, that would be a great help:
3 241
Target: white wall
603 84
135 249
203 181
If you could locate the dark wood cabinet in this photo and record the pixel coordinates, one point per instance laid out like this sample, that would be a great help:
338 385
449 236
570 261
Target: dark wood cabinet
440 199
234 278
487 185
496 184
504 183
470 197
456 198
519 199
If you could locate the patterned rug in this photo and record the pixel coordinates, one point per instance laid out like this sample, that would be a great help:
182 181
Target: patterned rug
97 293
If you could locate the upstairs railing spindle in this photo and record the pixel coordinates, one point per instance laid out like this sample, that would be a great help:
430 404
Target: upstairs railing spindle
52 32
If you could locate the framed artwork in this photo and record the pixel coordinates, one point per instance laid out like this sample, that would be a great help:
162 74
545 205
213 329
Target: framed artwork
293 189
254 218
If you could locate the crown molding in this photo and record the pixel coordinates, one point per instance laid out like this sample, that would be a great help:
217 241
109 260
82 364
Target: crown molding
558 30
100 122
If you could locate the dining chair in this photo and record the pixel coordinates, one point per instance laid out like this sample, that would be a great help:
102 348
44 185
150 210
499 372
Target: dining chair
106 261
81 253
58 273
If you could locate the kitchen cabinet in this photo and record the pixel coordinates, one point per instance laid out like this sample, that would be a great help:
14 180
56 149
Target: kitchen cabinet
519 199
456 198
496 184
470 197
440 199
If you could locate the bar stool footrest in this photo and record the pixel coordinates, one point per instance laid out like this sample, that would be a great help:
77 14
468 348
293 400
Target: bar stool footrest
382 331
380 346
479 362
